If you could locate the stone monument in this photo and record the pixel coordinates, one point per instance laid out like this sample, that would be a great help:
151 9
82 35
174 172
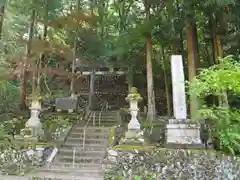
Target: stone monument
66 104
133 134
180 131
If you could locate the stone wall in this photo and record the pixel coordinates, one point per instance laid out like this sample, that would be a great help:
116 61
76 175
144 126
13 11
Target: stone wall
152 163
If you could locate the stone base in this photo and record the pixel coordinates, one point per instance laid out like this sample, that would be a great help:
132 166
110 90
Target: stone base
184 146
133 141
26 138
132 134
183 135
70 111
132 137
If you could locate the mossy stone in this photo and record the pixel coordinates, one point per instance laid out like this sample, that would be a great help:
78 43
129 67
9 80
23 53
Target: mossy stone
132 148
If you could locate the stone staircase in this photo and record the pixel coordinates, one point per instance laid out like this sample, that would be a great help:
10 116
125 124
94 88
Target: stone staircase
82 163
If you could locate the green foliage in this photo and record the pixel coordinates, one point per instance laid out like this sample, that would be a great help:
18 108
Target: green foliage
9 98
216 80
53 126
3 134
14 126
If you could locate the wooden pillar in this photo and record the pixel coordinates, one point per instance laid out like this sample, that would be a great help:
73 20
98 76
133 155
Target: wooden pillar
91 90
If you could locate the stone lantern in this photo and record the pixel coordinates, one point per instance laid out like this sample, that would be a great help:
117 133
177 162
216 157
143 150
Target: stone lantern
34 124
133 126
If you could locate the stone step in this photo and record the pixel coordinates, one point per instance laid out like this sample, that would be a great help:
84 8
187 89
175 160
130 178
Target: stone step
86 160
91 128
89 138
106 112
107 125
102 123
87 147
103 119
87 132
72 170
81 153
50 176
81 131
107 116
70 176
86 155
88 135
76 165
87 141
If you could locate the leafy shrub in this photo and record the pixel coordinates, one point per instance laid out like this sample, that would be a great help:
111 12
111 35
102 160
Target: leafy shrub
14 126
14 160
218 81
9 98
125 116
54 126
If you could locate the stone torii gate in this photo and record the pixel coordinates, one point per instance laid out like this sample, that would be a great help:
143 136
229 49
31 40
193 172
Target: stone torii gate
94 70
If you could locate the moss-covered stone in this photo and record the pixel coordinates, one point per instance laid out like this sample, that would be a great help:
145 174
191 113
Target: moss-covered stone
157 134
134 95
160 163
132 148
112 136
115 135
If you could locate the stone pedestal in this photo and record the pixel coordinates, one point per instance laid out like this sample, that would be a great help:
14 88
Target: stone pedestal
183 133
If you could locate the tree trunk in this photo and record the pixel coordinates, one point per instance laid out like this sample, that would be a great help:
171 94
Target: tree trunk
213 35
2 13
212 27
75 56
193 60
150 88
166 84
219 46
42 57
221 32
181 49
181 44
196 47
23 78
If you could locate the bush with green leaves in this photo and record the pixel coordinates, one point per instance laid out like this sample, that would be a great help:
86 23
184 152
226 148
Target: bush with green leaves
9 97
13 127
55 126
219 81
